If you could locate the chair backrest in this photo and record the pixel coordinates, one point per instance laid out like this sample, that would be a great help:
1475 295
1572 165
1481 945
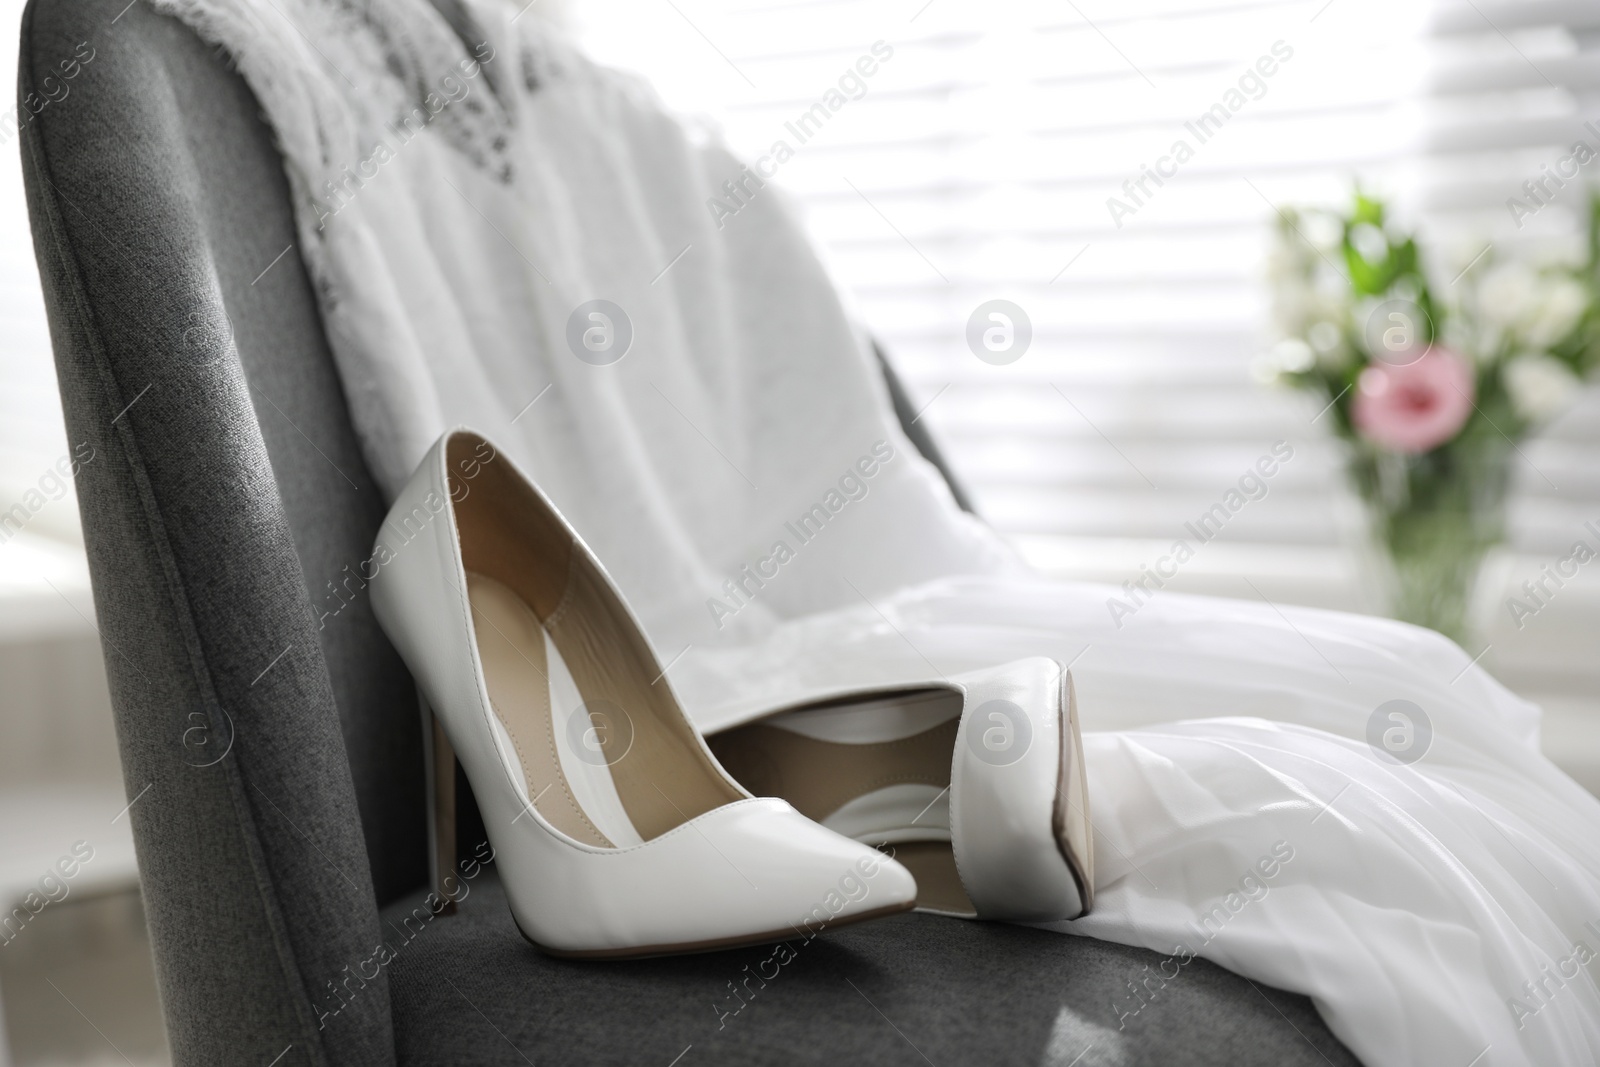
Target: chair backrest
268 732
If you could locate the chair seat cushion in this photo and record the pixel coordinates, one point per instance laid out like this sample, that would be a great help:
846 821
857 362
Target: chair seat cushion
467 989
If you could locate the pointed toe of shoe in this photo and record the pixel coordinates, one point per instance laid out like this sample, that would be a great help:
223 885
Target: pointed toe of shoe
806 876
752 872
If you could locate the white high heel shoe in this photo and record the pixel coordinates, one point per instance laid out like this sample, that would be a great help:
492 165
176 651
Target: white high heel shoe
976 782
616 832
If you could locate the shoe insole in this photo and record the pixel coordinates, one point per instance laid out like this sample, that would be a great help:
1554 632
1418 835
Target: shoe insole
876 770
939 888
553 744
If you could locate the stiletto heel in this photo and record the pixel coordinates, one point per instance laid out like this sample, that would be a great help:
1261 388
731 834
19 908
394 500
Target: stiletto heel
615 830
440 759
976 781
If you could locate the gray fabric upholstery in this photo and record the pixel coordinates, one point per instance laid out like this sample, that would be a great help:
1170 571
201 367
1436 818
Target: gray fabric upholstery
467 991
156 200
268 733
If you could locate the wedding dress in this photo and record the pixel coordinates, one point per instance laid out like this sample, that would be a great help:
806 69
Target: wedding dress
506 236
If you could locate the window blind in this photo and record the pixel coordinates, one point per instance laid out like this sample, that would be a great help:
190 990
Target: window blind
1005 151
1514 87
32 435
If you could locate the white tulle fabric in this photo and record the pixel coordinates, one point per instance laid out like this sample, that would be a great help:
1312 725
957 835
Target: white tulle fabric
1441 912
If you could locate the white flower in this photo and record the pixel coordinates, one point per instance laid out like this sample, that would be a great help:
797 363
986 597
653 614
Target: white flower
1324 336
1507 295
1293 355
1293 302
1463 253
1539 385
1560 305
1370 242
1562 253
1298 302
1321 229
1289 356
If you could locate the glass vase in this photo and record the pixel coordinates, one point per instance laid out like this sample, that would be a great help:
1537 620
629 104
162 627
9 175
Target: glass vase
1433 518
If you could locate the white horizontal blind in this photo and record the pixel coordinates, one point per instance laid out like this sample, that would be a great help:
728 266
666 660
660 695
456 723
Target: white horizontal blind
1511 88
32 437
978 164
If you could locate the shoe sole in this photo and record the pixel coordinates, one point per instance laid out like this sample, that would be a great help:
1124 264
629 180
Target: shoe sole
853 767
720 944
1072 802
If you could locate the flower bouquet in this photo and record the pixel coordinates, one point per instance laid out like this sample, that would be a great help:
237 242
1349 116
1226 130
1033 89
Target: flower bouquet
1432 384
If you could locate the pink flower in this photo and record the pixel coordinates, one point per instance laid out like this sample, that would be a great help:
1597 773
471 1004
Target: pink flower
1417 407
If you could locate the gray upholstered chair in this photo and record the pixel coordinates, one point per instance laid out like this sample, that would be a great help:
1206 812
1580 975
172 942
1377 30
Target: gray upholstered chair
270 738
